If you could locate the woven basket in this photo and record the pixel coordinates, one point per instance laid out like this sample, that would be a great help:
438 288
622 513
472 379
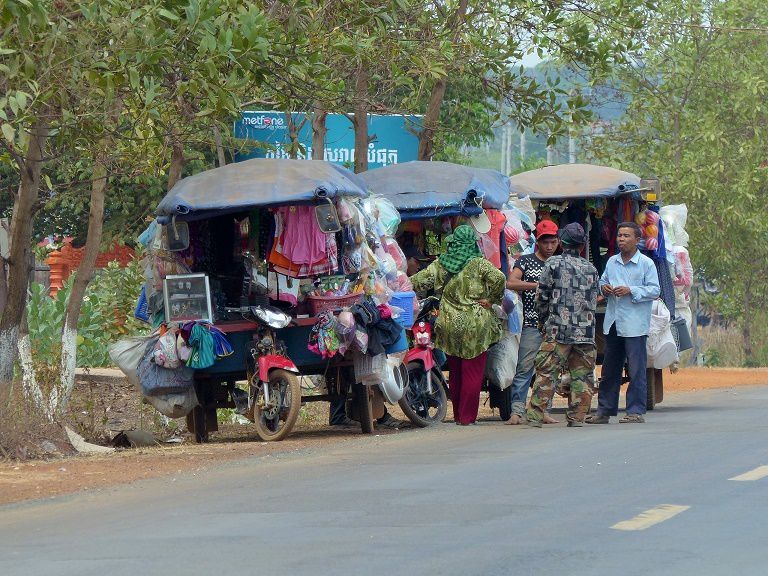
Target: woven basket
319 304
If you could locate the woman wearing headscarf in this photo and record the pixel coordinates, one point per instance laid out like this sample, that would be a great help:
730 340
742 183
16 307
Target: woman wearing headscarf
467 285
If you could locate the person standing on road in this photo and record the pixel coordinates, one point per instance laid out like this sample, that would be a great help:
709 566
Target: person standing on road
565 303
630 284
468 285
524 279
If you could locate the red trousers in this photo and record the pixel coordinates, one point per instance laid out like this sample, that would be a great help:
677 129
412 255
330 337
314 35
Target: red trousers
465 381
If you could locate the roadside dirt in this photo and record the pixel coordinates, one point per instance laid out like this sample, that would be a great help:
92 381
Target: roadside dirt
692 379
21 481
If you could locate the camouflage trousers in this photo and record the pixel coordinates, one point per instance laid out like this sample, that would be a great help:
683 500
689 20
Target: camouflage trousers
555 359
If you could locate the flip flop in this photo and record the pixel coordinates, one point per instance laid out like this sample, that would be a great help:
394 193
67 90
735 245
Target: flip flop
632 419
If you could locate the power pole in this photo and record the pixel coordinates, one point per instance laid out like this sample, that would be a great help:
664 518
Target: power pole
508 130
503 149
571 147
522 146
550 154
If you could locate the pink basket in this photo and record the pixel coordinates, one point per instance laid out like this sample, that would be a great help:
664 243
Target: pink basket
319 304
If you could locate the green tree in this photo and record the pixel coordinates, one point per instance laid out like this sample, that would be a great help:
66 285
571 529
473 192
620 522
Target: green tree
697 120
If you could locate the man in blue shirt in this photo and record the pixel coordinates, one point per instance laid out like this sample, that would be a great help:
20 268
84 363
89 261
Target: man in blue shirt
630 284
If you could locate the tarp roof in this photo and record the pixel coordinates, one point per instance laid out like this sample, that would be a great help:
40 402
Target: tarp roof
572 181
423 189
258 182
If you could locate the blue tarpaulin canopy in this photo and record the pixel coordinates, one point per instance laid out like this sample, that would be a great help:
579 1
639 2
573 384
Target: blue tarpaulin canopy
571 181
258 182
426 189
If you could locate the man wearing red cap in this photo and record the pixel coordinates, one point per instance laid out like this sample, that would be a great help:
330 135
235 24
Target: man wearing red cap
524 279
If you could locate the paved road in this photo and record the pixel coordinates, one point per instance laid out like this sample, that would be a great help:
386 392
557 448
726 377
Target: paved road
486 500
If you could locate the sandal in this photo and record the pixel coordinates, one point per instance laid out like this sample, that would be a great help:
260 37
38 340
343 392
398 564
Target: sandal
597 419
632 419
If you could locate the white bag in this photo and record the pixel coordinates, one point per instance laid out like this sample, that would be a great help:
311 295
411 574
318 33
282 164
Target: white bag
661 347
174 405
501 363
126 353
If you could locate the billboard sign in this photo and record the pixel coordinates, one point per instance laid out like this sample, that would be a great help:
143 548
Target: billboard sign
392 143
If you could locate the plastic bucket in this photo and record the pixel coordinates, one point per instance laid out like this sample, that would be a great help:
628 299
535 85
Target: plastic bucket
681 334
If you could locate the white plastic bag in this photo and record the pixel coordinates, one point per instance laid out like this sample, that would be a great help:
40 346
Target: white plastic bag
126 353
501 363
661 347
675 217
174 405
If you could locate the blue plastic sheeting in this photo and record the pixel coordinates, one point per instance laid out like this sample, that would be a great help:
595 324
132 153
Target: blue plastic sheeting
258 182
423 189
572 181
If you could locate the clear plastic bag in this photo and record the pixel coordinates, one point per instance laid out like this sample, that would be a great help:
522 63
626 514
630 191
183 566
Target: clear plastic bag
675 217
388 216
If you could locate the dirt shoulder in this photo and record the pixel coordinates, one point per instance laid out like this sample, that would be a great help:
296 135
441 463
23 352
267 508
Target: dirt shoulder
692 379
21 481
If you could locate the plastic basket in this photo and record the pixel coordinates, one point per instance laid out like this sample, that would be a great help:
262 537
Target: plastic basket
142 306
404 300
369 369
319 304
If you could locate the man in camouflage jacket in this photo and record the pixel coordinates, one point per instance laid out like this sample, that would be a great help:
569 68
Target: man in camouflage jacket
566 301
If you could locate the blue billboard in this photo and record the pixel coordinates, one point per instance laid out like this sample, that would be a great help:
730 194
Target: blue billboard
393 142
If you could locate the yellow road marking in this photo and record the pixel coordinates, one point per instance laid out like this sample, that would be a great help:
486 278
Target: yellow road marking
756 474
650 517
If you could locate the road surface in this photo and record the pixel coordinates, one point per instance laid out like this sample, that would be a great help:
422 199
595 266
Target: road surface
658 498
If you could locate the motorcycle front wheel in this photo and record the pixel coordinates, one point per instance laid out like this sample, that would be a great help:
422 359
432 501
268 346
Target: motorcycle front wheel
420 406
275 416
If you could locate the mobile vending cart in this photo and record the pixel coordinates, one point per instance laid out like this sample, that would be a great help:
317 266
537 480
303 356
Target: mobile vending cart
268 252
599 198
432 197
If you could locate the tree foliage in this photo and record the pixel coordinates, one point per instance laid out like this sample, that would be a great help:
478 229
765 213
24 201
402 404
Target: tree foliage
697 120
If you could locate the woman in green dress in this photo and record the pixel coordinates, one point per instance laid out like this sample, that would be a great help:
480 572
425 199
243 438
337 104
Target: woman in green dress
468 285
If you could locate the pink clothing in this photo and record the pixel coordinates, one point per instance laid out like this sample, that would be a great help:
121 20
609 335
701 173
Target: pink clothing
490 243
303 242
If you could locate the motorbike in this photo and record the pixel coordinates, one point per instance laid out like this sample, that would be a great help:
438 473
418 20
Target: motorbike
424 400
274 392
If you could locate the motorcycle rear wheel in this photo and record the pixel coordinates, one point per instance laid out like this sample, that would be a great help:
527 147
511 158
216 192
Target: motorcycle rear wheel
421 407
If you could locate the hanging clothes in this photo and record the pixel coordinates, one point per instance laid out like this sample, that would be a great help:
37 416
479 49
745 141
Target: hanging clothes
325 261
303 242
490 243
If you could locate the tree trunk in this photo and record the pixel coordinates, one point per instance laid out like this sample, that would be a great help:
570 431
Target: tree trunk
3 283
219 146
32 391
431 120
746 325
177 159
82 278
19 260
360 120
432 116
293 135
319 131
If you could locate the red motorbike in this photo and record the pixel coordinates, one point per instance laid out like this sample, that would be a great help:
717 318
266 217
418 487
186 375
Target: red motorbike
424 400
274 394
